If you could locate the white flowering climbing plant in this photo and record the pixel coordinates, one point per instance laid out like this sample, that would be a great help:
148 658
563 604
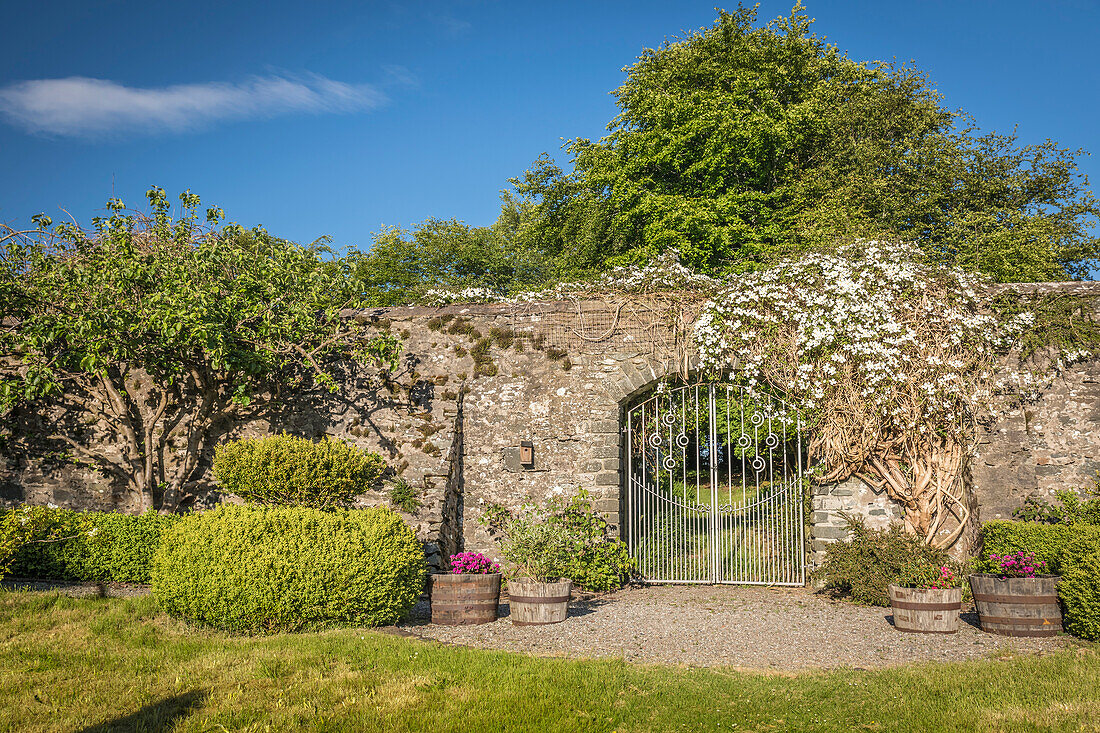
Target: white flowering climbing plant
888 358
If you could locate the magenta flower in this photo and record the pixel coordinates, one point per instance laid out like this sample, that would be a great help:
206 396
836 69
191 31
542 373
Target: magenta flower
1018 565
473 562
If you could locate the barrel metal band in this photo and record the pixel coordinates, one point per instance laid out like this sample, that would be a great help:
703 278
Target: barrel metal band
918 606
1048 631
538 599
995 598
1022 621
468 597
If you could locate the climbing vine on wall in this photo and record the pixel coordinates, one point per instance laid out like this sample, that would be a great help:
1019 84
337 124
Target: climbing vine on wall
889 358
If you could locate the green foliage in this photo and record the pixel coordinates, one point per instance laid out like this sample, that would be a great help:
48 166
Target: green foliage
739 142
1064 321
1079 589
158 327
597 560
1071 509
863 567
532 547
267 569
99 546
403 266
929 575
403 496
1047 541
27 528
283 469
562 540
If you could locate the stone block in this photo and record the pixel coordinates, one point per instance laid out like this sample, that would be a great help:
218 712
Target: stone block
611 464
604 427
820 532
605 451
610 478
511 460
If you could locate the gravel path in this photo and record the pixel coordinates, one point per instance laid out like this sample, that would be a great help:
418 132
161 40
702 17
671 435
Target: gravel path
747 627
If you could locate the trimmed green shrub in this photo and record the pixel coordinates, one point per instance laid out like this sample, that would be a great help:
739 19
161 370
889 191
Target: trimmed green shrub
863 567
104 546
1047 541
285 470
1079 588
265 569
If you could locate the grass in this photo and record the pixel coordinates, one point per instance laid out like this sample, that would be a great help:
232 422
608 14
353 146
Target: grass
111 664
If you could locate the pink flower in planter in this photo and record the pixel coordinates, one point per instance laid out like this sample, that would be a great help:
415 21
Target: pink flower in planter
473 562
1018 565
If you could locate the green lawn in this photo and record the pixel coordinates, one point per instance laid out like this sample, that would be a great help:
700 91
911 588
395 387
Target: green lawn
69 665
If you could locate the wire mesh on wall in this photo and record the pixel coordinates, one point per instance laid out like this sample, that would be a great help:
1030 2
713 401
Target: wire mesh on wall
646 326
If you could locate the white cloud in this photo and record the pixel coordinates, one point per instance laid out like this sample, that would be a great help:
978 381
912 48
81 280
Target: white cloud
78 106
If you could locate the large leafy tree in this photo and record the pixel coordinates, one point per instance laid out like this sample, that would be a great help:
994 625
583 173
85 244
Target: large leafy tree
739 143
403 266
140 335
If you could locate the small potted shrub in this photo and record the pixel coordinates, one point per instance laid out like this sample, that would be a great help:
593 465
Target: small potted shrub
1016 596
926 599
469 594
536 552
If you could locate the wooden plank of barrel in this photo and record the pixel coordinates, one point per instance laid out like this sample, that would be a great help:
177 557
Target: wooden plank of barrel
1017 606
926 610
465 598
534 603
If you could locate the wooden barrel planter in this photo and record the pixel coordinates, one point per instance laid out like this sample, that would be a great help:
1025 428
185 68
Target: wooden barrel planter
1017 606
926 610
534 603
465 598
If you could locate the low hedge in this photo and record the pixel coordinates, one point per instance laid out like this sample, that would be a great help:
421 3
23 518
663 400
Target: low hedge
1079 588
1047 541
119 548
265 569
1069 550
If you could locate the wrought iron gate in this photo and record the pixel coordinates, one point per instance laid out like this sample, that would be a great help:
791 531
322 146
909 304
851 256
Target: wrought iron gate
714 489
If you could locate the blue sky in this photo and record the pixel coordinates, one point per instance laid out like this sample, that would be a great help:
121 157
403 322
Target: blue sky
339 117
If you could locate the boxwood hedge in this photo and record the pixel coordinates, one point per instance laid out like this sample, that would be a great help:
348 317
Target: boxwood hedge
283 469
1047 541
120 548
265 569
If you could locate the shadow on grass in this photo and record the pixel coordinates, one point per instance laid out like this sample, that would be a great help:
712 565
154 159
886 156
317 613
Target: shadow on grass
155 717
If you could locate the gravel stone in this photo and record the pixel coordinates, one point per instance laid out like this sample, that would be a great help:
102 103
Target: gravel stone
753 628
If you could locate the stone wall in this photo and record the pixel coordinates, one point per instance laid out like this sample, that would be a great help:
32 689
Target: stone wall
452 422
560 375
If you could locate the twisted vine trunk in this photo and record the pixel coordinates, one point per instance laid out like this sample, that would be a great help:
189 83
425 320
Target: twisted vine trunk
926 476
